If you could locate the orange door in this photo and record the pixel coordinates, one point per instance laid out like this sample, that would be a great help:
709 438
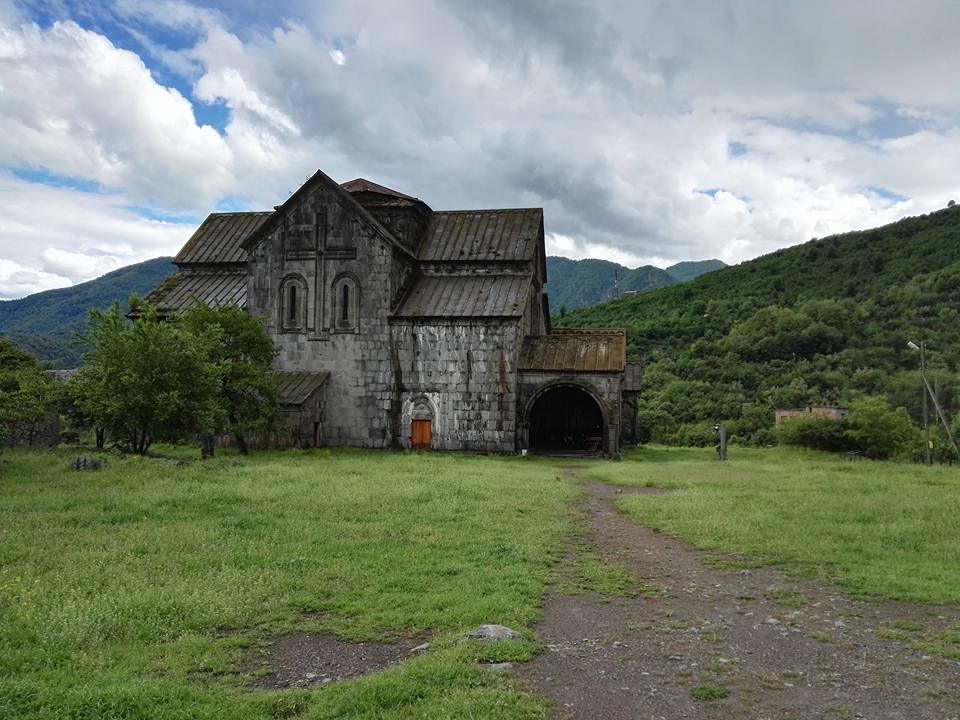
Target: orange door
420 435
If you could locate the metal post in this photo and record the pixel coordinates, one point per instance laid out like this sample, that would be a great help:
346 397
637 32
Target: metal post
928 456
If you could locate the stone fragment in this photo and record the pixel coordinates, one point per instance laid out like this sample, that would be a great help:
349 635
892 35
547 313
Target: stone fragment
420 648
493 633
500 667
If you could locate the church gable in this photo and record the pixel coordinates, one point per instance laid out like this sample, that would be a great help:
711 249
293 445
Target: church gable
322 264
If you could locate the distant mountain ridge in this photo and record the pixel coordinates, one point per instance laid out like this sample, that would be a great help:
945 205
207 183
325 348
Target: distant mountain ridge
574 284
43 324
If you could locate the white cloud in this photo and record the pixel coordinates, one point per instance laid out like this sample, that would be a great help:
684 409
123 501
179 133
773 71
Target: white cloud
53 237
619 118
74 104
17 281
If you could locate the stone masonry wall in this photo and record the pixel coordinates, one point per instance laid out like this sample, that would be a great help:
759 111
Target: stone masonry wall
360 404
464 372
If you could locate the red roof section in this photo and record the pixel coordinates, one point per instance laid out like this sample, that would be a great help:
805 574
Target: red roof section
361 185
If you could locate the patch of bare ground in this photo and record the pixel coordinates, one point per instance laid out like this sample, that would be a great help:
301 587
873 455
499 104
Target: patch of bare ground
304 661
724 641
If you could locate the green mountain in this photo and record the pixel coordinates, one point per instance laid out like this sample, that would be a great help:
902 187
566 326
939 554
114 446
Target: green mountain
44 324
819 323
573 284
684 271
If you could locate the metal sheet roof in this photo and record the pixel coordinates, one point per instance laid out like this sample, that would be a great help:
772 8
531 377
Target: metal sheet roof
219 238
466 296
484 235
175 295
363 185
295 388
575 350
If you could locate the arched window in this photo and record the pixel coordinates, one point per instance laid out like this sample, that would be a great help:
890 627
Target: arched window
293 304
346 303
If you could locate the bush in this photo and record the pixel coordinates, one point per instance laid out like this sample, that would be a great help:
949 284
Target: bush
878 431
696 435
814 432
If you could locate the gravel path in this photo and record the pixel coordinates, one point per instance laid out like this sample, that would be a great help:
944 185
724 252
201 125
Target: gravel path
780 647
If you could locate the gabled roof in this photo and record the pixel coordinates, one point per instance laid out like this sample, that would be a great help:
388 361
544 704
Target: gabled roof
320 178
295 388
482 235
465 296
212 287
362 185
220 237
574 350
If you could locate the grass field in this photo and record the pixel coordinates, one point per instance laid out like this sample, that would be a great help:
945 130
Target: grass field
143 590
138 591
878 529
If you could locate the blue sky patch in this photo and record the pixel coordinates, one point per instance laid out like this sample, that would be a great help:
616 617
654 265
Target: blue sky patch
44 177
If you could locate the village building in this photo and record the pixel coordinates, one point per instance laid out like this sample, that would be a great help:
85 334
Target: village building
821 411
400 326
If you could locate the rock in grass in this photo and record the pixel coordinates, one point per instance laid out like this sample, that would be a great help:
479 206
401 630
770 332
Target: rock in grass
493 633
420 648
87 463
500 667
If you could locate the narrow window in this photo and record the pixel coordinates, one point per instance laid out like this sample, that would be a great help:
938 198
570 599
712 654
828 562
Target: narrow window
292 304
345 304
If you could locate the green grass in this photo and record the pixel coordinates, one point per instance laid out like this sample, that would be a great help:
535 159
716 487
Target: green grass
706 693
879 529
141 591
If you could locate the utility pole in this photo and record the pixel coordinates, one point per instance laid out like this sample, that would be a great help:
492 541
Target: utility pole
928 392
927 454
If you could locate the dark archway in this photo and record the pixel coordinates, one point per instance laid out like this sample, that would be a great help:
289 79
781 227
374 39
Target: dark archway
566 418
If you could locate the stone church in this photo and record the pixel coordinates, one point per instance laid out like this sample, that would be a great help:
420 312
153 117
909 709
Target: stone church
400 326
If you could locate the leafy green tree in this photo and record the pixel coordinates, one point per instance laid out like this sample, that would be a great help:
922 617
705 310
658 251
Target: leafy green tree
149 380
26 395
878 430
243 355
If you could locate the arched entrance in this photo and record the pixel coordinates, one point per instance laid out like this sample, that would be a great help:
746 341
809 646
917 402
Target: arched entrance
566 418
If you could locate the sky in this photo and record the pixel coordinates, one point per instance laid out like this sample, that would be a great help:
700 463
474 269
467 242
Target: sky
649 131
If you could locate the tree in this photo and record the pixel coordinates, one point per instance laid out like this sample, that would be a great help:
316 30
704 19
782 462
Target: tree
243 356
149 380
878 430
26 395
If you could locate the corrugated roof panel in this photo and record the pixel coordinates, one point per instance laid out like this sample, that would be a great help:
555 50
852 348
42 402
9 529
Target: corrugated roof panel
219 238
295 388
482 235
466 296
566 350
176 294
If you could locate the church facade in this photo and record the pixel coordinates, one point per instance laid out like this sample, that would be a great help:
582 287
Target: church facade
400 326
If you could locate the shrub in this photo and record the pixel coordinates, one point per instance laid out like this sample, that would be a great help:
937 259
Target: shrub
696 435
814 432
879 431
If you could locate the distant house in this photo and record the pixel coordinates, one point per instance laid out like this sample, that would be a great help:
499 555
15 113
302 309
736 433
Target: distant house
832 413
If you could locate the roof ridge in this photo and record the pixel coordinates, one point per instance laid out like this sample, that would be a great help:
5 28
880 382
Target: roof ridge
489 210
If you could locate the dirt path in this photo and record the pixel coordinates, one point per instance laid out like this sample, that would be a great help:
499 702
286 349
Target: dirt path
782 648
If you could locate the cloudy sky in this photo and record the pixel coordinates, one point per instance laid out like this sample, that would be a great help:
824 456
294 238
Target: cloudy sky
649 131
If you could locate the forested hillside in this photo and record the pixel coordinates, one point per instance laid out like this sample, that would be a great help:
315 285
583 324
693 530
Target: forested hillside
573 284
819 323
43 324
